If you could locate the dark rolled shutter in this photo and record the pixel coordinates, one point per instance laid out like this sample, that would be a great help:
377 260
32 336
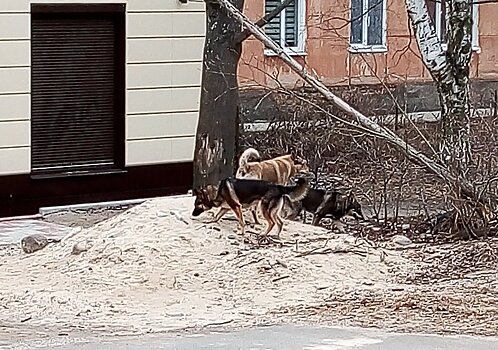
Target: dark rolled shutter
291 22
272 28
73 91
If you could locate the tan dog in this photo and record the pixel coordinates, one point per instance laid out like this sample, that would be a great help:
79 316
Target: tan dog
278 170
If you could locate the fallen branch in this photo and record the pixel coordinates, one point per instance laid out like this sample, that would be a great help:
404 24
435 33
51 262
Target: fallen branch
221 323
331 250
280 278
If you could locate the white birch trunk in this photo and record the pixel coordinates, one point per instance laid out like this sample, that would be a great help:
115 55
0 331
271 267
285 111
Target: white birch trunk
450 72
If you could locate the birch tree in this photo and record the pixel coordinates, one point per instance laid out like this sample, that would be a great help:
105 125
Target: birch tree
450 71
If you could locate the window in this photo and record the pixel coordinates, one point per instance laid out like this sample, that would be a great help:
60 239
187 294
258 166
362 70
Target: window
77 88
368 25
289 28
437 12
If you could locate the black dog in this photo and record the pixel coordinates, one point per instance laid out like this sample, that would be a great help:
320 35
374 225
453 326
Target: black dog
324 203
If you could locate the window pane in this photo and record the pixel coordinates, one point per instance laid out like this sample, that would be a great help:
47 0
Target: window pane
356 21
291 24
375 21
272 29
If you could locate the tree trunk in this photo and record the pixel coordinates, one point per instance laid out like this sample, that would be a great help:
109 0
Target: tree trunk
454 94
217 130
450 72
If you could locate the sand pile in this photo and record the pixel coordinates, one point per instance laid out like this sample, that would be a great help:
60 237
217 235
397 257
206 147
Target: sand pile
153 269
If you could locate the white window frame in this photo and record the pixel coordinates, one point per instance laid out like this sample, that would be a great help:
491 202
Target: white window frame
300 49
364 47
475 25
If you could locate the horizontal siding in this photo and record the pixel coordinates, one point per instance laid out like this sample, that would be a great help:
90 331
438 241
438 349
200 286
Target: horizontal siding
164 54
14 53
164 75
15 107
14 80
14 134
166 24
133 5
14 26
164 6
163 100
25 5
160 151
165 50
15 161
161 125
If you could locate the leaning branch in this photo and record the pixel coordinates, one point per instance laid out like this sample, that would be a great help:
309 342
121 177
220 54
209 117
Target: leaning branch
383 132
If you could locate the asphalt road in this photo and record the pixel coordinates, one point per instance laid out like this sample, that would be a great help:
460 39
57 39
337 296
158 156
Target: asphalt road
299 338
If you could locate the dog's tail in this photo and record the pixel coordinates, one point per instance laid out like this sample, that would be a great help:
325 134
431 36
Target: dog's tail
299 191
248 155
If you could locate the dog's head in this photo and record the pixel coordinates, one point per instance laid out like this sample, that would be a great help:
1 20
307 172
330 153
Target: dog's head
249 171
204 199
301 165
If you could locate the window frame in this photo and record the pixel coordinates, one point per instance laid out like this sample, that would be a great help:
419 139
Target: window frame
475 25
300 49
363 46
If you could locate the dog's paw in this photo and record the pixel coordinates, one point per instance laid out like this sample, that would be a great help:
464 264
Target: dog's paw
268 240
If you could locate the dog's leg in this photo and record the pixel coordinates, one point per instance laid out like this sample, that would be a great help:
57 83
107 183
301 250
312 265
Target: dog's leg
240 218
220 214
339 225
255 216
278 220
316 219
269 220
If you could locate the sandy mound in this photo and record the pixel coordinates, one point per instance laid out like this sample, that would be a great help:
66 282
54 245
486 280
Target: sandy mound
153 269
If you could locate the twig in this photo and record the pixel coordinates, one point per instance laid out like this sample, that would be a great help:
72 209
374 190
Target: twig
280 278
218 323
331 250
251 262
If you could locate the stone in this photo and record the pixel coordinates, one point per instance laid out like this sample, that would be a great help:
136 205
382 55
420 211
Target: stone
33 243
80 247
401 240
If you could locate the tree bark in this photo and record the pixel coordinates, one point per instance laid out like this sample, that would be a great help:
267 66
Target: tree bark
455 96
217 129
450 72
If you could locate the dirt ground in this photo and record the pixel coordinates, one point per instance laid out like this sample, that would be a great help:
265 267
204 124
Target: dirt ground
154 269
84 218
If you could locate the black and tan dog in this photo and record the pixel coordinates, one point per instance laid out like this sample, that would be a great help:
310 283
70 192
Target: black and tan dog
236 194
322 203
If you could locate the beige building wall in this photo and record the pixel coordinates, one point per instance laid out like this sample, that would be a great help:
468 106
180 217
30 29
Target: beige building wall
164 56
